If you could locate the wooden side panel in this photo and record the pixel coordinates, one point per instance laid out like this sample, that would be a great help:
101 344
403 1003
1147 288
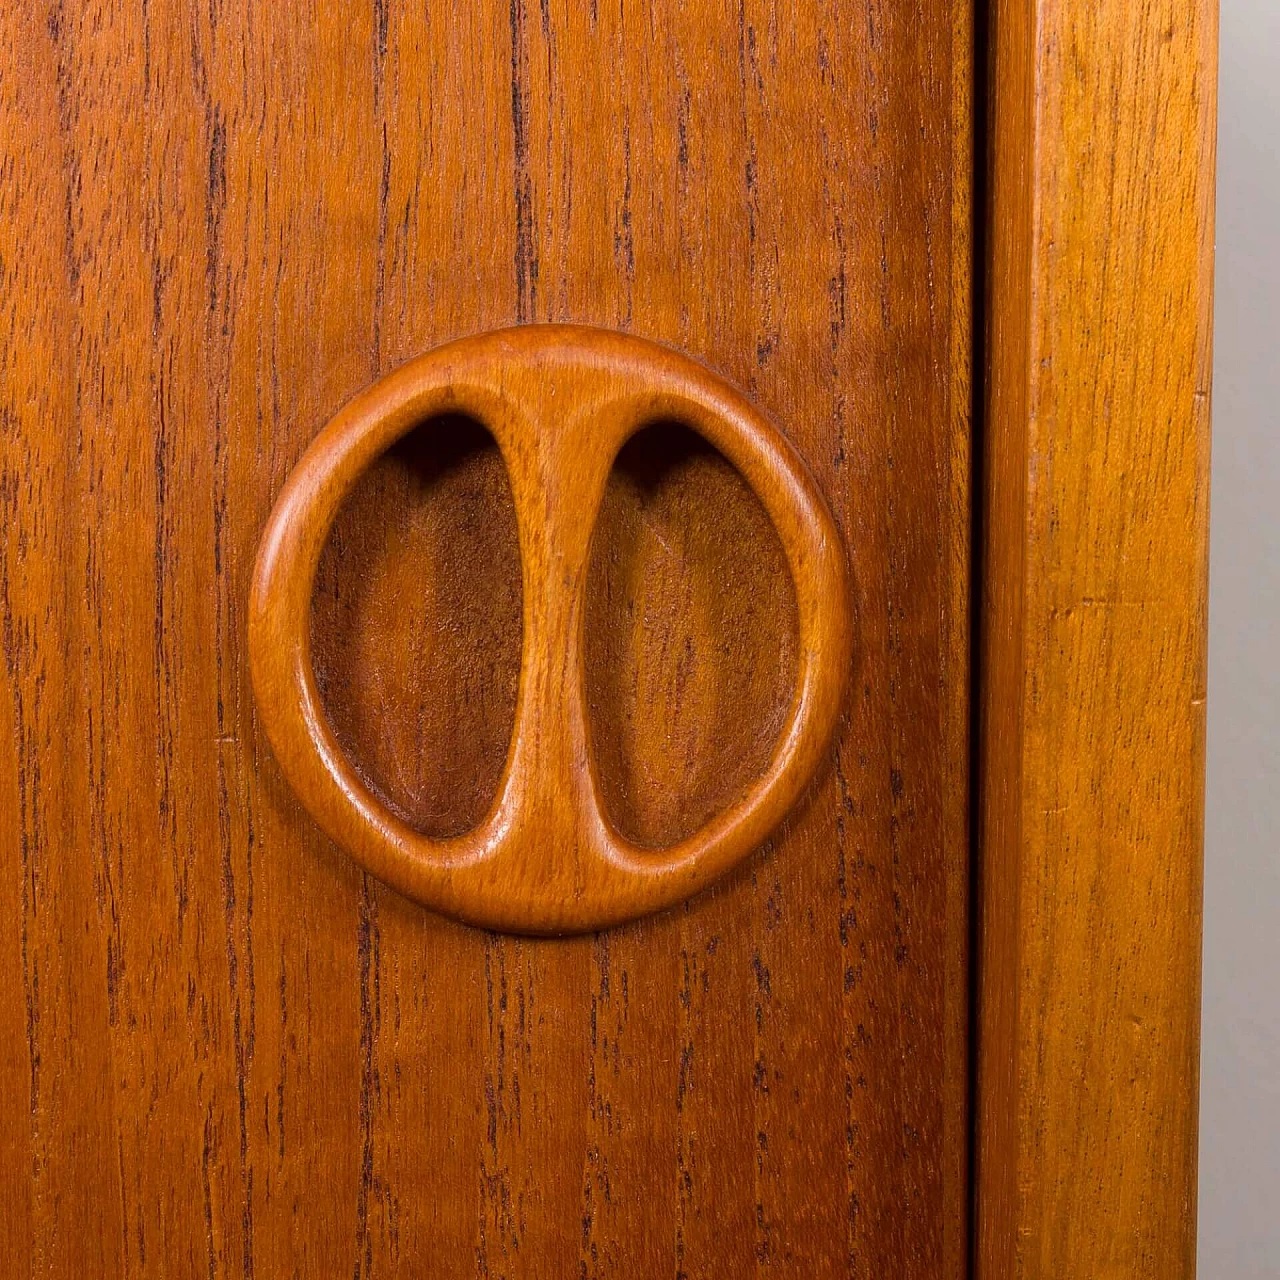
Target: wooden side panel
1096 497
223 1050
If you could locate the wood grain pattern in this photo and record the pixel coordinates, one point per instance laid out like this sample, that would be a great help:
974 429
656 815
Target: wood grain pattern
230 1052
425 712
1093 615
561 401
690 614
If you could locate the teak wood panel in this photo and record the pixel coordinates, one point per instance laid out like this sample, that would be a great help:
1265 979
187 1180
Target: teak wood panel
1095 502
223 1049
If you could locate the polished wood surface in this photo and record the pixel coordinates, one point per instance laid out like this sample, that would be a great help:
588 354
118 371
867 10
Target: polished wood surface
1093 653
561 401
226 1049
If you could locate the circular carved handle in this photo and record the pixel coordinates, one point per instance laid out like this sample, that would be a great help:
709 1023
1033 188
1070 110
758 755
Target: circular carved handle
560 401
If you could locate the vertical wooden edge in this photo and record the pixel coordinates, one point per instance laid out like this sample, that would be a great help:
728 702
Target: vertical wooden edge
1000 660
1097 255
958 652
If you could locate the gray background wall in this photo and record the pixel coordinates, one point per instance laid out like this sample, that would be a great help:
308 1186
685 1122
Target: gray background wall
1240 1055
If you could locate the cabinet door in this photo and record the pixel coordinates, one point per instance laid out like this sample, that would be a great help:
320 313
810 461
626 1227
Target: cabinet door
228 1048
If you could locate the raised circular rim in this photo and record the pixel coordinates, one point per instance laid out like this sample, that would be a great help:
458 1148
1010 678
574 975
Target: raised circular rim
515 870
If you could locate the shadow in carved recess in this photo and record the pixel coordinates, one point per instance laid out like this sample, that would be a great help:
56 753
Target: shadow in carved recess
691 634
690 631
416 625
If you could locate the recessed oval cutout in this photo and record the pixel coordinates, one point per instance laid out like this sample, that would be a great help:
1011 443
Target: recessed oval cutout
416 625
690 637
